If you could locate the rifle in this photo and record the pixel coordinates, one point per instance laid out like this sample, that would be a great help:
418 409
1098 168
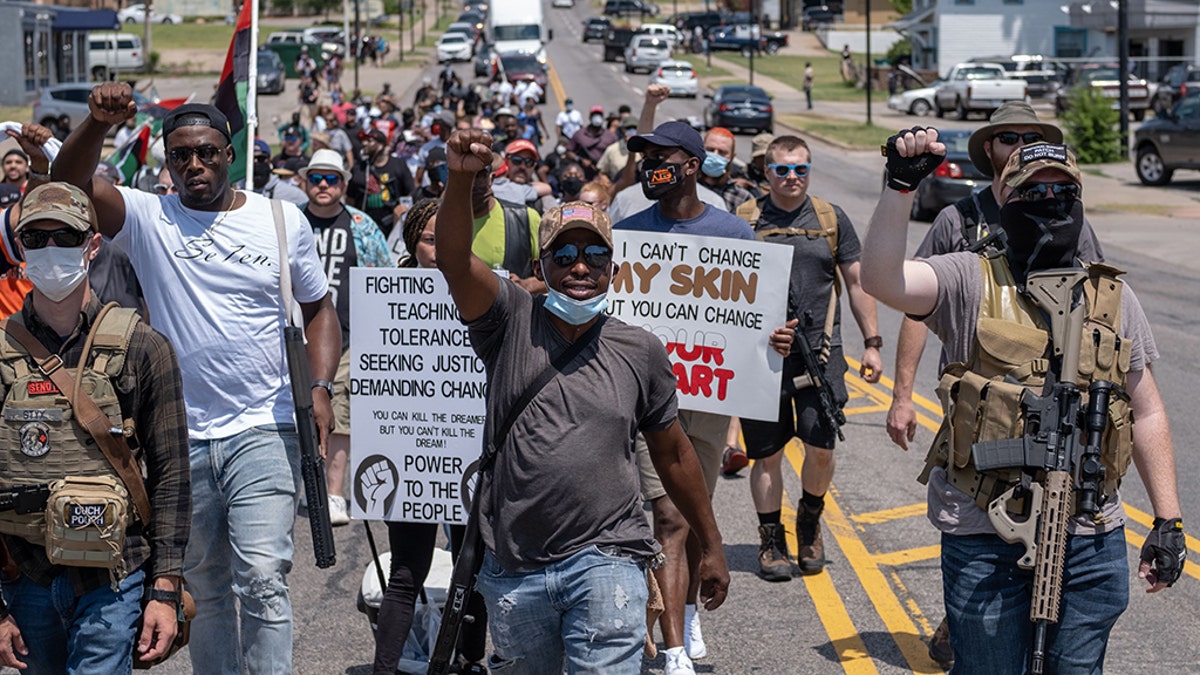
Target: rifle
814 376
312 466
462 585
25 499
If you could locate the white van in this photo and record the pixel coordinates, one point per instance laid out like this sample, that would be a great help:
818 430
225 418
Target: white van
517 26
661 30
114 53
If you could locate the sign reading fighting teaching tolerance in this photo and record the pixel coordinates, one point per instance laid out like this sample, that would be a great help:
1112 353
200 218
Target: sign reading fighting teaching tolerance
417 398
714 303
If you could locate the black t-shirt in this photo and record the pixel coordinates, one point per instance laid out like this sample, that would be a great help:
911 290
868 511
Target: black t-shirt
335 246
377 189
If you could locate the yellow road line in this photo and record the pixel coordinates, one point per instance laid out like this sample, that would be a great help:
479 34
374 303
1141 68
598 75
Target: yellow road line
910 555
1136 541
895 618
560 94
886 515
931 406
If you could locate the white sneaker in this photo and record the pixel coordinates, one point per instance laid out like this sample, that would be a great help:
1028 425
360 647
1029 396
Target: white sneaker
338 515
678 662
693 639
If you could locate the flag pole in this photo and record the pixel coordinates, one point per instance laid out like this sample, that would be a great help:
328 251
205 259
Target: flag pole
252 95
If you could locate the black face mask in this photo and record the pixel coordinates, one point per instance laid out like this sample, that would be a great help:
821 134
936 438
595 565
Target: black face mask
262 173
659 178
1042 235
755 173
571 186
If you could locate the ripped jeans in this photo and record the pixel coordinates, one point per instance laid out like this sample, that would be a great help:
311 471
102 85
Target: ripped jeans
587 612
244 497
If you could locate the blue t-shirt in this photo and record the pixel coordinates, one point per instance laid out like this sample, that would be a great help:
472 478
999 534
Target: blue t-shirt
712 223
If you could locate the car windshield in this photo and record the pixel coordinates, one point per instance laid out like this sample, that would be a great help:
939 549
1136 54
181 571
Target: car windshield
521 63
266 60
956 141
1098 74
752 93
978 73
526 32
454 37
656 43
677 71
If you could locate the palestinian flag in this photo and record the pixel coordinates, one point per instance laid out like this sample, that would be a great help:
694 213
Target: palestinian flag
132 156
232 90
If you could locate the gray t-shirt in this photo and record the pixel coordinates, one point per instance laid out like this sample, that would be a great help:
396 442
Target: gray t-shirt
517 193
960 287
945 235
567 479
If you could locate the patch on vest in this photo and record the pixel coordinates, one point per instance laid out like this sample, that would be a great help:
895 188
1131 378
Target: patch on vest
87 515
42 388
13 414
35 439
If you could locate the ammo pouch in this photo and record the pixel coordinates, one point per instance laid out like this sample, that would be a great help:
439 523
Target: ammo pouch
86 518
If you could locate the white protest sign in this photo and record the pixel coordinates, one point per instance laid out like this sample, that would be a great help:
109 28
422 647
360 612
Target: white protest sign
417 398
714 303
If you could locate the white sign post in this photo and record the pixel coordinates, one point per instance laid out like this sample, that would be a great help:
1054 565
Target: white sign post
417 398
714 303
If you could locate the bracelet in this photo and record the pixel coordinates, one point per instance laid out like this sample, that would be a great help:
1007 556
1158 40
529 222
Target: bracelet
873 341
325 384
162 595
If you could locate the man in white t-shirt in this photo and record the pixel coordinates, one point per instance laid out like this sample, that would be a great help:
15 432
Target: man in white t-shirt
568 121
209 260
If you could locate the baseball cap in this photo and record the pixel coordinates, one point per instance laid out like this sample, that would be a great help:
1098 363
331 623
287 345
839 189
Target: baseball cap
630 122
291 166
261 147
574 216
759 144
1011 113
502 112
196 114
1030 159
596 109
9 194
16 151
326 160
521 145
376 134
445 117
61 202
674 134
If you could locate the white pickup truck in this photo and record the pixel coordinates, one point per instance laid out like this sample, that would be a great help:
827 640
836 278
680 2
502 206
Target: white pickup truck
977 87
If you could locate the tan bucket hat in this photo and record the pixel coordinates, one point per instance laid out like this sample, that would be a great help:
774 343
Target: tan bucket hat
1012 113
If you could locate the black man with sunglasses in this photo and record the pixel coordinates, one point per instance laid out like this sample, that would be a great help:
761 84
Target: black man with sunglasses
560 507
1003 349
209 262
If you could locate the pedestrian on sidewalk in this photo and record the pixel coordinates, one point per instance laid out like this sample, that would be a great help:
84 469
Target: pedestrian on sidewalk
808 82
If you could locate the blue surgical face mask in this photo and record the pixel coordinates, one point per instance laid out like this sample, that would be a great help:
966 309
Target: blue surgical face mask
714 165
575 312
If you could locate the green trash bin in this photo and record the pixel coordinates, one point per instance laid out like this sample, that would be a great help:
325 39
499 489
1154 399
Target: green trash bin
289 51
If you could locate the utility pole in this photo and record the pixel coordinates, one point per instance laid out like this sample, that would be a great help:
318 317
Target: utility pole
412 27
868 14
423 22
753 42
357 44
1123 76
146 47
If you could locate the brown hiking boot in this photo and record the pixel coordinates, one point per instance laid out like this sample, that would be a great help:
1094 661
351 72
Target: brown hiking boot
939 646
811 557
774 564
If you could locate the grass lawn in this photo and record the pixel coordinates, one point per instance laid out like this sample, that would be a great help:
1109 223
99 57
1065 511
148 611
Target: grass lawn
702 70
16 114
191 35
827 74
855 134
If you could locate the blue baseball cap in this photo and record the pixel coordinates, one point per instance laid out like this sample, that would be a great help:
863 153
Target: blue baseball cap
261 147
674 134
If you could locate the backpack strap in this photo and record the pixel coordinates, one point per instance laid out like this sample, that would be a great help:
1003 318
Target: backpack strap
518 247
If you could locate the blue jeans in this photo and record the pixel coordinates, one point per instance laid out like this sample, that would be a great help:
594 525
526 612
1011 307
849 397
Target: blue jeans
589 610
988 598
93 633
244 498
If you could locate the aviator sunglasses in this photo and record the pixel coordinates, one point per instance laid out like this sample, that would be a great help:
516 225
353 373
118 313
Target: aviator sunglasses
182 155
596 256
782 170
63 238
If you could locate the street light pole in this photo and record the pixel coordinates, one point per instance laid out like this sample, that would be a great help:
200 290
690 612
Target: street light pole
357 44
412 26
753 43
868 14
1123 76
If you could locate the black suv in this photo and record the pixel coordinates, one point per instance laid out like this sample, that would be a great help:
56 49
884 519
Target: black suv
629 8
1169 142
1176 84
687 21
594 27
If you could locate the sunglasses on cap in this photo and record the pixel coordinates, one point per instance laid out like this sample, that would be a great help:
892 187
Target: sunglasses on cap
1040 191
595 255
331 179
206 153
517 160
1011 137
67 237
782 170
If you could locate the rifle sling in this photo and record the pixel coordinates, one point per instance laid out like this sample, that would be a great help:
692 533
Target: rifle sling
88 414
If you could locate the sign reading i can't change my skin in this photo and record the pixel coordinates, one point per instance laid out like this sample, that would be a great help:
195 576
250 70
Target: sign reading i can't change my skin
714 303
417 398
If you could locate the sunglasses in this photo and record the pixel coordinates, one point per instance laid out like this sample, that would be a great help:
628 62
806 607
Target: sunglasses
596 256
331 179
1040 191
1011 137
64 238
518 160
206 153
291 137
782 170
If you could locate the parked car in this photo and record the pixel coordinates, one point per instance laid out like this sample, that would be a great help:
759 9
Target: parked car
595 27
687 21
977 87
1168 142
518 66
678 76
744 39
646 51
137 14
485 61
630 8
955 178
288 43
1044 76
615 42
474 17
915 101
740 107
272 74
1107 80
1176 84
816 16
114 52
72 100
563 4
454 47
466 28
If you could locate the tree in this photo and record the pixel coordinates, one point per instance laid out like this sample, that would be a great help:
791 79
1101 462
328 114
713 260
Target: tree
1090 123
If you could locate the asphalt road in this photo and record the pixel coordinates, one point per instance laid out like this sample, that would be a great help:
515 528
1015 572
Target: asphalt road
881 596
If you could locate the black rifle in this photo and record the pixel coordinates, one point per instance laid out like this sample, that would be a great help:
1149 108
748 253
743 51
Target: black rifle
312 466
24 499
814 376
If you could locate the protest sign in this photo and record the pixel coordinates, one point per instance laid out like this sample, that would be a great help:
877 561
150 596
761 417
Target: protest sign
714 303
417 398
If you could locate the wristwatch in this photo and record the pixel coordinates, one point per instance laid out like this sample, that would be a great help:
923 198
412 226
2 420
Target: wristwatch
163 595
325 384
873 341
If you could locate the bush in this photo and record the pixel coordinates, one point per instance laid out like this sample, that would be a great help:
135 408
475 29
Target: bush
1091 126
900 52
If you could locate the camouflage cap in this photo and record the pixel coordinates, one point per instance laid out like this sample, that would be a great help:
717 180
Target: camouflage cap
758 146
62 202
574 216
1030 159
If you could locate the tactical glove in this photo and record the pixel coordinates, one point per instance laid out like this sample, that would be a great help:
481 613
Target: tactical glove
904 173
1165 550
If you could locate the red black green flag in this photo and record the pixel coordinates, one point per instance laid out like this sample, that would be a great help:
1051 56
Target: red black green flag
233 89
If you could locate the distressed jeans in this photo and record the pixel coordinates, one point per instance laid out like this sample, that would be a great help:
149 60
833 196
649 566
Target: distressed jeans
587 612
93 633
244 498
988 598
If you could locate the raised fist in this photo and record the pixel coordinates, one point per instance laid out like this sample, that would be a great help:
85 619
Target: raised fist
112 103
912 155
31 138
657 93
469 151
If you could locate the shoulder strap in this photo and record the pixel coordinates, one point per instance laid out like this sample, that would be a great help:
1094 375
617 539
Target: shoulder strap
518 249
88 413
561 361
285 270
749 211
827 217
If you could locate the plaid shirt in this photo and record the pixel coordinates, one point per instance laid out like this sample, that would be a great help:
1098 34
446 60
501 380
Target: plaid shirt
150 392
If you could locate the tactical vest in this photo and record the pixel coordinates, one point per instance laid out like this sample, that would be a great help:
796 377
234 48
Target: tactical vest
981 398
40 440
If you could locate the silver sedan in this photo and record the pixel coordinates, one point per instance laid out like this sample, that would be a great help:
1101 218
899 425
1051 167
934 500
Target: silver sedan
678 76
